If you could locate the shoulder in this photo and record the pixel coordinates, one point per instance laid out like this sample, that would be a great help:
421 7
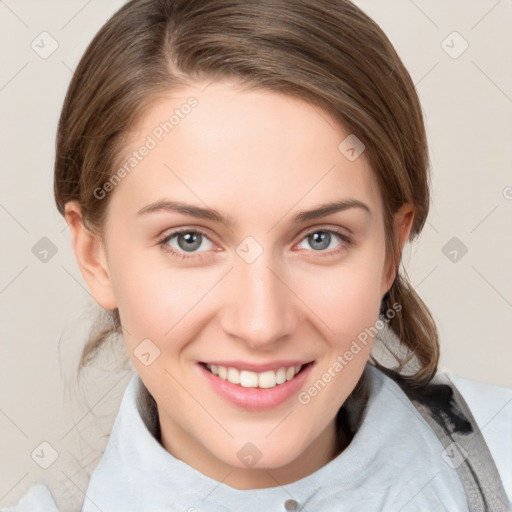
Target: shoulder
38 498
491 407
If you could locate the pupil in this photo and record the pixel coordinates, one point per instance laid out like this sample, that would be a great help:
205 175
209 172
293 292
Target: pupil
192 241
319 240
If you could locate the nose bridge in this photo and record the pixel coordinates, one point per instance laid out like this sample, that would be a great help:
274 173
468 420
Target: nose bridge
260 308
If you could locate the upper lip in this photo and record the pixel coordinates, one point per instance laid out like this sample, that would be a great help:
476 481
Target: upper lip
259 368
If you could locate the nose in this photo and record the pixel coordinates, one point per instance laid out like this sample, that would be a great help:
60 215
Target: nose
259 309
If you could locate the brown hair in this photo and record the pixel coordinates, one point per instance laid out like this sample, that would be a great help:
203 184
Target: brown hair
326 52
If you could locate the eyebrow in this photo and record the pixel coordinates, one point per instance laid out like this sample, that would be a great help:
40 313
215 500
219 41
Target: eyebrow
213 215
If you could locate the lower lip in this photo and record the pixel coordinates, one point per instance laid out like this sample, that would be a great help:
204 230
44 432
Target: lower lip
256 399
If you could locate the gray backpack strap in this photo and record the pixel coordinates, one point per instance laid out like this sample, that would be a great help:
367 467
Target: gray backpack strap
447 413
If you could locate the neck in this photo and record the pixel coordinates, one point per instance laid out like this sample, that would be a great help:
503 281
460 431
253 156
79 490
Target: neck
321 451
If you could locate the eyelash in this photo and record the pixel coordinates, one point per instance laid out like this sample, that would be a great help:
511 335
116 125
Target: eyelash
344 239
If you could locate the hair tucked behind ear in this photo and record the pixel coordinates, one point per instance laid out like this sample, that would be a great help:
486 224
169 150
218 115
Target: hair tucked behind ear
326 52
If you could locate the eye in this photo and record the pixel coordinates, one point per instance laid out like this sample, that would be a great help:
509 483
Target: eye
184 241
329 241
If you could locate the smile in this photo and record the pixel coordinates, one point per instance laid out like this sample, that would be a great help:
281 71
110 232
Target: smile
248 379
255 390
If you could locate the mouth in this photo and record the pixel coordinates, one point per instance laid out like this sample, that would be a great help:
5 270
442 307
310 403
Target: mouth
254 390
252 379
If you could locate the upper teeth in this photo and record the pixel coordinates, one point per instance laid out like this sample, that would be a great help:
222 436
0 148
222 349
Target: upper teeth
248 379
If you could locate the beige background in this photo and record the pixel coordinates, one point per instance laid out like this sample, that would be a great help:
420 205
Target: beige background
46 310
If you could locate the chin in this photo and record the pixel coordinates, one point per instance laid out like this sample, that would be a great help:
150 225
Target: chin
266 453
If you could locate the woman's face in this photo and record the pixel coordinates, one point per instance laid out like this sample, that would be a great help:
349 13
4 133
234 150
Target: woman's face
266 274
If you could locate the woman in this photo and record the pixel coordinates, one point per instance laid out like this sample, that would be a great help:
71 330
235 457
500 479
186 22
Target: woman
240 179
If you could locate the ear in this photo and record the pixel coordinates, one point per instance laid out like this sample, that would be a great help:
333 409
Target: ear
91 257
402 226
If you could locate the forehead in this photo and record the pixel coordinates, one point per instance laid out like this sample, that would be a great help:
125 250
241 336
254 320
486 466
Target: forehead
235 148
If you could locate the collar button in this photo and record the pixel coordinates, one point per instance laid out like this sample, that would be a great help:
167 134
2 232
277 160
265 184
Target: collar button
291 505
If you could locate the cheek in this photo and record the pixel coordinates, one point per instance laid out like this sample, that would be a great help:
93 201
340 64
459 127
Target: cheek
141 291
156 301
347 301
346 298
